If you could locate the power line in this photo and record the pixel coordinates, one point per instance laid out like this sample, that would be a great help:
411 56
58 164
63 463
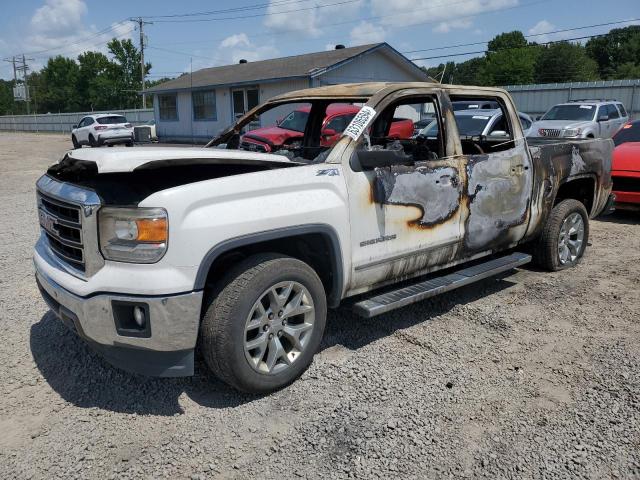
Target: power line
532 45
343 2
229 10
525 36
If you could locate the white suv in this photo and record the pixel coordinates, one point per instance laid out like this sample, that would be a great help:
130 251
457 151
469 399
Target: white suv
102 129
581 119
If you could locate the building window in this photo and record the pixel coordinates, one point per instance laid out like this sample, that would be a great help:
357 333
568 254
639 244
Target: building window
204 105
168 107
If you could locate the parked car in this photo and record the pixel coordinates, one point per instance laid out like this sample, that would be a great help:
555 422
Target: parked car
625 170
581 119
102 129
480 122
145 132
243 252
629 132
475 105
291 129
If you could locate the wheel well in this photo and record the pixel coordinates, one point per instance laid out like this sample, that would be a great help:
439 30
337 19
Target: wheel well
581 189
318 250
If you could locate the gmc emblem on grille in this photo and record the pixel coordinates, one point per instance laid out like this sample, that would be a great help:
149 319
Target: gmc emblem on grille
47 222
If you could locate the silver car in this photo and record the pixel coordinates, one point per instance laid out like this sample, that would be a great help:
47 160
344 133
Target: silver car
581 119
472 122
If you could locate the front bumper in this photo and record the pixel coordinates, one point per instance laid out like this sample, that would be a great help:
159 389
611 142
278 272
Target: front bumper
107 140
166 350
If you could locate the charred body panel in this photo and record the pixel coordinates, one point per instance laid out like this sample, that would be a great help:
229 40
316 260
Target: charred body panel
435 191
557 164
498 196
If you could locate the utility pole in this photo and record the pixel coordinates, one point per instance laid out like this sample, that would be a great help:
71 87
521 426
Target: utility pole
23 69
141 24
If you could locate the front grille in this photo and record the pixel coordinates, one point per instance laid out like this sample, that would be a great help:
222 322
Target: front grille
549 132
252 147
62 225
626 184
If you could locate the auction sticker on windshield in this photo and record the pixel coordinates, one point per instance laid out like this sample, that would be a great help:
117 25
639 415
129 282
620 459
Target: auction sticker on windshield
360 122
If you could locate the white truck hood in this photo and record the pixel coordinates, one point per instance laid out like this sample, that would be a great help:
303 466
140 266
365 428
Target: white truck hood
112 160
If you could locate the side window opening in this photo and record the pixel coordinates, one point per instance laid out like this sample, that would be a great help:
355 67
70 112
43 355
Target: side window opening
613 112
485 130
395 129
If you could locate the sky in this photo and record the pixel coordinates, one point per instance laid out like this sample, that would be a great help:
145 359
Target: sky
179 37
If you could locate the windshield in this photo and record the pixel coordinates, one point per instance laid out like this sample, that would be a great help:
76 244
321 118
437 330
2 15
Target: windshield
467 125
570 112
111 120
296 121
629 133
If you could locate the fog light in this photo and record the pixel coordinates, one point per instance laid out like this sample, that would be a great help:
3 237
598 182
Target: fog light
138 316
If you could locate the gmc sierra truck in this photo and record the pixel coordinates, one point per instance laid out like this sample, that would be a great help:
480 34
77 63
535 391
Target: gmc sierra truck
147 252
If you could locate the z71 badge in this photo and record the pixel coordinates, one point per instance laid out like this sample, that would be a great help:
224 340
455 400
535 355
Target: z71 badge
328 172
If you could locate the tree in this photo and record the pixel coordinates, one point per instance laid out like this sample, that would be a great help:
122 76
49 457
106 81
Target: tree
95 81
6 97
126 72
621 46
509 60
60 85
564 62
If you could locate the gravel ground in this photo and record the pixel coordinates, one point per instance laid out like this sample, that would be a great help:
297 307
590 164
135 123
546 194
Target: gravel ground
531 375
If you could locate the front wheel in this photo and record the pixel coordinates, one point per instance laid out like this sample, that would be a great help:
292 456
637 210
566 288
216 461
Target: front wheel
262 328
74 140
564 237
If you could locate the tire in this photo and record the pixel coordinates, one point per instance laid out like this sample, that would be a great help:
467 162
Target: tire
129 144
92 141
225 344
76 145
550 251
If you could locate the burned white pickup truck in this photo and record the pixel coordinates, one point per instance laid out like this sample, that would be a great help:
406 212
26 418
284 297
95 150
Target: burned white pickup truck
147 252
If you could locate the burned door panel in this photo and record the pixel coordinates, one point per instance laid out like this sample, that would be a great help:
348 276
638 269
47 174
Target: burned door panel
498 194
434 191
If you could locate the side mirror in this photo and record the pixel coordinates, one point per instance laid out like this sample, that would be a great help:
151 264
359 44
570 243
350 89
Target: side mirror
328 132
603 118
499 133
74 126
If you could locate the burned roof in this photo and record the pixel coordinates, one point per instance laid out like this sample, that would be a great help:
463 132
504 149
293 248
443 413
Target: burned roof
297 66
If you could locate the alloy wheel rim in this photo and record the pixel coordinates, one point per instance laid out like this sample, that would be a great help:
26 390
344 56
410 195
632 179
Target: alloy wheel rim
571 238
279 327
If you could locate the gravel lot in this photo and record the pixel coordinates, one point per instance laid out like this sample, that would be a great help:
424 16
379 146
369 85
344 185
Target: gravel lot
532 375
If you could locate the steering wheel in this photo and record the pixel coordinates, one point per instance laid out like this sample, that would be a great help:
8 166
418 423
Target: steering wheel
478 148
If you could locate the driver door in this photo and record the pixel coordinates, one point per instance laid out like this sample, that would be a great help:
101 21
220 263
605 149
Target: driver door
405 213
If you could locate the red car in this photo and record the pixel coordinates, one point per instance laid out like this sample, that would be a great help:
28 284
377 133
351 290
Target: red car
291 128
625 170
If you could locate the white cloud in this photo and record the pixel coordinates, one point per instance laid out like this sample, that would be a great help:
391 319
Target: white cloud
235 40
366 32
58 28
445 15
541 28
306 19
446 27
238 46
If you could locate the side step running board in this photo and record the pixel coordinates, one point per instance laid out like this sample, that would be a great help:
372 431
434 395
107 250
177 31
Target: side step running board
386 302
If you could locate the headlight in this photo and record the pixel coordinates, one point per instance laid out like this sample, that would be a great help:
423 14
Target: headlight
135 235
572 132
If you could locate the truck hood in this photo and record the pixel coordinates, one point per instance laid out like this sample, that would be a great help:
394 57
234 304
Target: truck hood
558 124
272 135
114 160
626 157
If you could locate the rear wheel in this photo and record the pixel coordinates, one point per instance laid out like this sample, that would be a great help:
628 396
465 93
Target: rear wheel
261 330
74 140
564 238
92 141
